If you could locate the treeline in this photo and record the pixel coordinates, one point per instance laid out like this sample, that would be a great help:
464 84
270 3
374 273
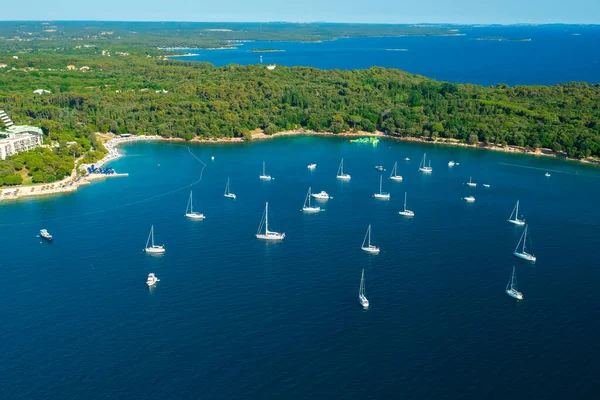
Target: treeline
141 95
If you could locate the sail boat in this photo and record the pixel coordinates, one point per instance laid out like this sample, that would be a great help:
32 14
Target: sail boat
264 176
307 207
362 299
405 212
511 287
423 167
366 245
471 183
340 174
189 211
151 247
515 213
393 175
268 235
228 192
523 253
381 194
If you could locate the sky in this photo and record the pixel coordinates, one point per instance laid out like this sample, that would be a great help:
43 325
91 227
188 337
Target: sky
366 11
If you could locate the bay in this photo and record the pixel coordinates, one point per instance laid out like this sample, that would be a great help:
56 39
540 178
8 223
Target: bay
555 54
233 316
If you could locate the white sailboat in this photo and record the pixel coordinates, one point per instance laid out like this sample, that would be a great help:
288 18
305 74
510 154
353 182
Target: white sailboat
471 183
514 216
511 287
366 245
451 163
362 299
151 247
522 253
312 166
264 175
340 174
307 207
381 195
547 174
228 191
469 199
267 235
405 212
189 211
394 176
423 167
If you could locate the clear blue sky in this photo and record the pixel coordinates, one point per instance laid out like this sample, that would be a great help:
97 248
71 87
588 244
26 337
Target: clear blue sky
376 11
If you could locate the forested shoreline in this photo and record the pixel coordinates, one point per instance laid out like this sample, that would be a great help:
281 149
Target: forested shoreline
152 95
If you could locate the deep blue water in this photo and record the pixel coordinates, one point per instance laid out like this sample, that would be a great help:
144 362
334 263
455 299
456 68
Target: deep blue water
555 54
236 317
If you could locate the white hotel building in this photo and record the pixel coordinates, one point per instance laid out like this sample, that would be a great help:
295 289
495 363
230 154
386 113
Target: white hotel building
17 138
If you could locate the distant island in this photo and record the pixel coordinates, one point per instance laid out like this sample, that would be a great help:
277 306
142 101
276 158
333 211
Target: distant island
504 39
266 50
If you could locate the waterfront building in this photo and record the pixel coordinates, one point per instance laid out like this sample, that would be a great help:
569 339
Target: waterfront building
18 138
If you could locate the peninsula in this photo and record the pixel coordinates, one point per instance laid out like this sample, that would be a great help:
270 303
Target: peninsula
76 91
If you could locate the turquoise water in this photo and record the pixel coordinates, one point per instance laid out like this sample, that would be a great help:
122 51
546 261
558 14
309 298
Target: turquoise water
555 54
233 316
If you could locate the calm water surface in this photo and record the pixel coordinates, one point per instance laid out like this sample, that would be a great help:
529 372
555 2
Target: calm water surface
555 54
233 316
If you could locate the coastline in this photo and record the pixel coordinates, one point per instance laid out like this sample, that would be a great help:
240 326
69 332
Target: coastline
112 142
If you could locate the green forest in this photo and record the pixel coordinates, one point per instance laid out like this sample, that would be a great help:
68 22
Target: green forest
148 94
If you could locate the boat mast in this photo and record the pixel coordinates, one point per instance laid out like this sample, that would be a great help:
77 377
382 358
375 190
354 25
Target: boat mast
152 234
369 230
361 290
191 203
517 211
267 218
263 168
227 186
380 178
520 240
404 201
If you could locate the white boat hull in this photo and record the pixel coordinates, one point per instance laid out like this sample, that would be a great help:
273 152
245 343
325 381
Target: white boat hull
271 236
426 170
382 196
265 177
407 213
344 177
312 166
514 294
525 256
518 222
311 209
230 195
321 196
397 178
469 199
471 184
363 301
155 250
371 249
195 216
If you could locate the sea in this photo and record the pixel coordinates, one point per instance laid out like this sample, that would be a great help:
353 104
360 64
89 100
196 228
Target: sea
236 317
533 55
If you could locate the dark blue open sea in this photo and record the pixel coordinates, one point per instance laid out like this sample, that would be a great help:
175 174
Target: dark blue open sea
234 317
555 54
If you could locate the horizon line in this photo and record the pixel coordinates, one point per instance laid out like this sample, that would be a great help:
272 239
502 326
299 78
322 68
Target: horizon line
309 22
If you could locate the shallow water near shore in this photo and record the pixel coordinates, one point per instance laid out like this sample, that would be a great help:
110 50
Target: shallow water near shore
233 316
